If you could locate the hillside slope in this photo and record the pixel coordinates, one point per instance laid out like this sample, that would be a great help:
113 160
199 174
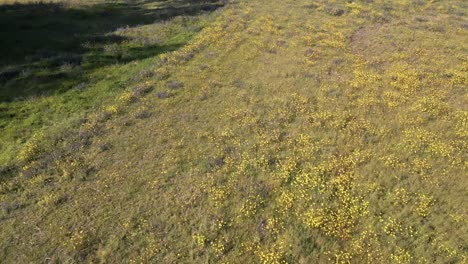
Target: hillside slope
93 51
287 131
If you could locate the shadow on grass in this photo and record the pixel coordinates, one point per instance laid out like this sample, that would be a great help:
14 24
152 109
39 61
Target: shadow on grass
51 40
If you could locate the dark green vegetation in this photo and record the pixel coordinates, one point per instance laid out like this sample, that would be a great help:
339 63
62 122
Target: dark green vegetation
285 131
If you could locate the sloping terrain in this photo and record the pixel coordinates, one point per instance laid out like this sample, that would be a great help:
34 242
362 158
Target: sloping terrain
286 131
60 61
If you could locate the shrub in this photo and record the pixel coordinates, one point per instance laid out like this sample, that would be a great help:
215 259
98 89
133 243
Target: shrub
174 85
143 75
141 90
162 95
142 114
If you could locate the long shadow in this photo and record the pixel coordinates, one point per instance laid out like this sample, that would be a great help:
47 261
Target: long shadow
48 37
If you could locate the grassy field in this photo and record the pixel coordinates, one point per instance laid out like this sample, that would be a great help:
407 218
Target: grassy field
279 131
60 61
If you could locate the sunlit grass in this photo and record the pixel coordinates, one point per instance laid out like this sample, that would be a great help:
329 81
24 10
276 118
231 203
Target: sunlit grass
284 132
57 86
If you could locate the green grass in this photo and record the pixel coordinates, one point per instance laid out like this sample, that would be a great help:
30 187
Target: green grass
283 132
61 62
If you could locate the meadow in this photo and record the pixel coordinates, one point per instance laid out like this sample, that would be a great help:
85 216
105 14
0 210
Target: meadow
279 131
60 61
